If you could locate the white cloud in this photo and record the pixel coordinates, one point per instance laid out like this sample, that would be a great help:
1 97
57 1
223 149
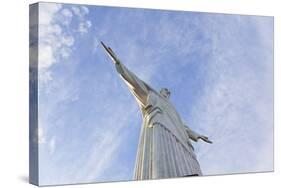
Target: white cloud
45 142
45 76
67 41
52 145
56 35
80 11
47 11
84 27
84 24
65 17
41 136
85 10
67 12
65 52
46 57
95 44
76 11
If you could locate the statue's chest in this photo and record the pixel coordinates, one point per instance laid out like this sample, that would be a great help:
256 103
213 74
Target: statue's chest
156 101
161 111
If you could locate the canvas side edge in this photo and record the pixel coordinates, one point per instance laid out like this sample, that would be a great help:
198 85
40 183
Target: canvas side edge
33 94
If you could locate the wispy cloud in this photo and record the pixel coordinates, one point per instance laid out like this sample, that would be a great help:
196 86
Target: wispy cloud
56 35
236 106
84 27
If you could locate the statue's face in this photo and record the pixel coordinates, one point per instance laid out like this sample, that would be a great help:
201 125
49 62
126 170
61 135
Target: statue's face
165 92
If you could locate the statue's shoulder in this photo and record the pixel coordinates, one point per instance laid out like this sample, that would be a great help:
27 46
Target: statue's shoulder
153 93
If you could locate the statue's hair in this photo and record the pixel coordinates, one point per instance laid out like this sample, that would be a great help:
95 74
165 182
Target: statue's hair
165 89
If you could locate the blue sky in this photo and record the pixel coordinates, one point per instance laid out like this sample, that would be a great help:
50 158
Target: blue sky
218 67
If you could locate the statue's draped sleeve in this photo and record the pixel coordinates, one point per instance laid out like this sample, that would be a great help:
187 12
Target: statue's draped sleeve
192 134
139 88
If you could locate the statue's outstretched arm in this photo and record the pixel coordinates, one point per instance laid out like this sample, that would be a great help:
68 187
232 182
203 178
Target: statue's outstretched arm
195 136
137 86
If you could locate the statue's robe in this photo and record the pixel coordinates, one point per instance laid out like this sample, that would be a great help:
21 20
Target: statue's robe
164 148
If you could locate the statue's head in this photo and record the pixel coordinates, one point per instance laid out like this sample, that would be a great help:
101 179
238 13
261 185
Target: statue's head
165 92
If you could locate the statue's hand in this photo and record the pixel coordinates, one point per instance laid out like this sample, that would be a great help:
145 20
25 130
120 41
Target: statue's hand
205 138
111 54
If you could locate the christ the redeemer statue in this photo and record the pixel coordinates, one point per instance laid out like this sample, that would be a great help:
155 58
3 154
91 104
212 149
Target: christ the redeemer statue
164 149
